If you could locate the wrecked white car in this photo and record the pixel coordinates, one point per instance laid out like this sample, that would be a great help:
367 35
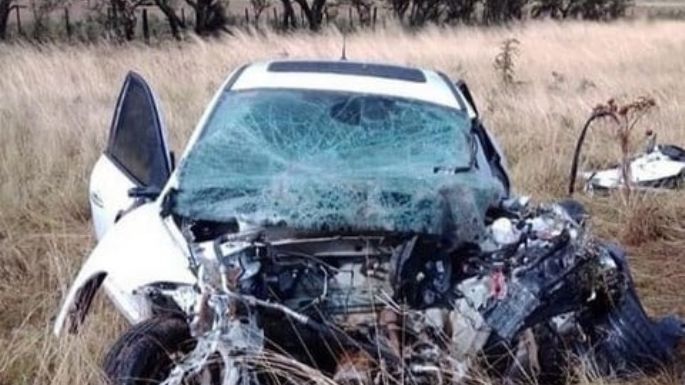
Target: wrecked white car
342 222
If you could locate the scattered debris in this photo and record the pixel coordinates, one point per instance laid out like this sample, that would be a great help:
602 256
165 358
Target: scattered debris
623 118
661 167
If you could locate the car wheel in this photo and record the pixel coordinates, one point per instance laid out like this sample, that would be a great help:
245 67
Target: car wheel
144 354
626 339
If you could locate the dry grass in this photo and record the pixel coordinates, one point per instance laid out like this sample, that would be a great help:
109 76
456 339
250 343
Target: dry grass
56 103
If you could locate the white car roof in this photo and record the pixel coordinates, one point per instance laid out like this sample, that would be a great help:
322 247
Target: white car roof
349 76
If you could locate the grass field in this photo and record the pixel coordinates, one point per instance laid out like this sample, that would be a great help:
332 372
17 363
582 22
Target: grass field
56 103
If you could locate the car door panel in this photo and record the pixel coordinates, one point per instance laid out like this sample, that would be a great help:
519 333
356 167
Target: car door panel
136 155
108 194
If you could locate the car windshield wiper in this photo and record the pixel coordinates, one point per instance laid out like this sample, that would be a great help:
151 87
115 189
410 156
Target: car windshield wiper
451 170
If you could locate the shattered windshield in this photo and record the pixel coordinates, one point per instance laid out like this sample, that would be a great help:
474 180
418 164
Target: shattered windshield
330 160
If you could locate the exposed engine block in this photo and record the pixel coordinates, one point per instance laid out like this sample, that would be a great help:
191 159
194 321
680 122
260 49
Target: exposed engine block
412 302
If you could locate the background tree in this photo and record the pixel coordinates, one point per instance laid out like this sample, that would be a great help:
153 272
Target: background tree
555 9
312 12
603 9
176 24
363 8
617 8
399 8
40 10
422 12
6 7
417 13
288 20
258 7
502 11
124 17
584 9
463 11
210 16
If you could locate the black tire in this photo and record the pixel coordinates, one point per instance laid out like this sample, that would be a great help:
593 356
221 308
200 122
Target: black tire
143 354
628 341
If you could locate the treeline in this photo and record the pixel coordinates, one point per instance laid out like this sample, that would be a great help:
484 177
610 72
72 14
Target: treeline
120 19
489 12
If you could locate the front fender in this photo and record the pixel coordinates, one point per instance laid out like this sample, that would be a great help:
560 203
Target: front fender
139 250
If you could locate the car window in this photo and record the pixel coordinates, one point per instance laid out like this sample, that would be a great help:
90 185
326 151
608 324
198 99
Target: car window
136 143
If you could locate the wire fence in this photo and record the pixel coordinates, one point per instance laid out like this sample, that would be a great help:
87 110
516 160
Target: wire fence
149 23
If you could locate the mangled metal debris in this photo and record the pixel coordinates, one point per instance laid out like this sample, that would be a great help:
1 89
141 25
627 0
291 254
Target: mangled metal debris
347 223
659 166
408 308
662 166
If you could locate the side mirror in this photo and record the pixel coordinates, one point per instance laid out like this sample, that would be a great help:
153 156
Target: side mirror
464 89
146 193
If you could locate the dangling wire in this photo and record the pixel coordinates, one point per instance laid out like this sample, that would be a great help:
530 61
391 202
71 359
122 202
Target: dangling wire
579 146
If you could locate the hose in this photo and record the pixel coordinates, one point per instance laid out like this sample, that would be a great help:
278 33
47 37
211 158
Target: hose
576 155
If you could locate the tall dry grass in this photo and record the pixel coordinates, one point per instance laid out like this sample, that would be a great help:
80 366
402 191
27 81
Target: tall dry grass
56 103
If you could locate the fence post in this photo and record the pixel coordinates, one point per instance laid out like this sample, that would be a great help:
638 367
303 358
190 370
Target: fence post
115 21
373 20
146 27
67 23
17 11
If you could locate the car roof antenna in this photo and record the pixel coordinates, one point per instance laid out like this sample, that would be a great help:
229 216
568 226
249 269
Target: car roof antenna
344 54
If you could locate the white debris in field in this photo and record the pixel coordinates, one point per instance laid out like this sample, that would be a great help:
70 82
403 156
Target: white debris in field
652 169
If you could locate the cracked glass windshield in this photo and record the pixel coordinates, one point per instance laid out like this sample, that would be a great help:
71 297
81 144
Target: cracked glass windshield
330 160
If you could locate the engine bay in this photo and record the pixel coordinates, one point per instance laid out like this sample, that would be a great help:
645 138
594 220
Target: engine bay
360 306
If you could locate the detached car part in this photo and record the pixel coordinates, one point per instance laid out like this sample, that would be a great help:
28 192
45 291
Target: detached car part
662 167
658 167
341 222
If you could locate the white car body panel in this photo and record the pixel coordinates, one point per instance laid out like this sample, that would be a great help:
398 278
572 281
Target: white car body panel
109 185
434 90
132 233
650 167
138 251
108 194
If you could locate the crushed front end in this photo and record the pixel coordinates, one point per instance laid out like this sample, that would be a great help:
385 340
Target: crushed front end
532 294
